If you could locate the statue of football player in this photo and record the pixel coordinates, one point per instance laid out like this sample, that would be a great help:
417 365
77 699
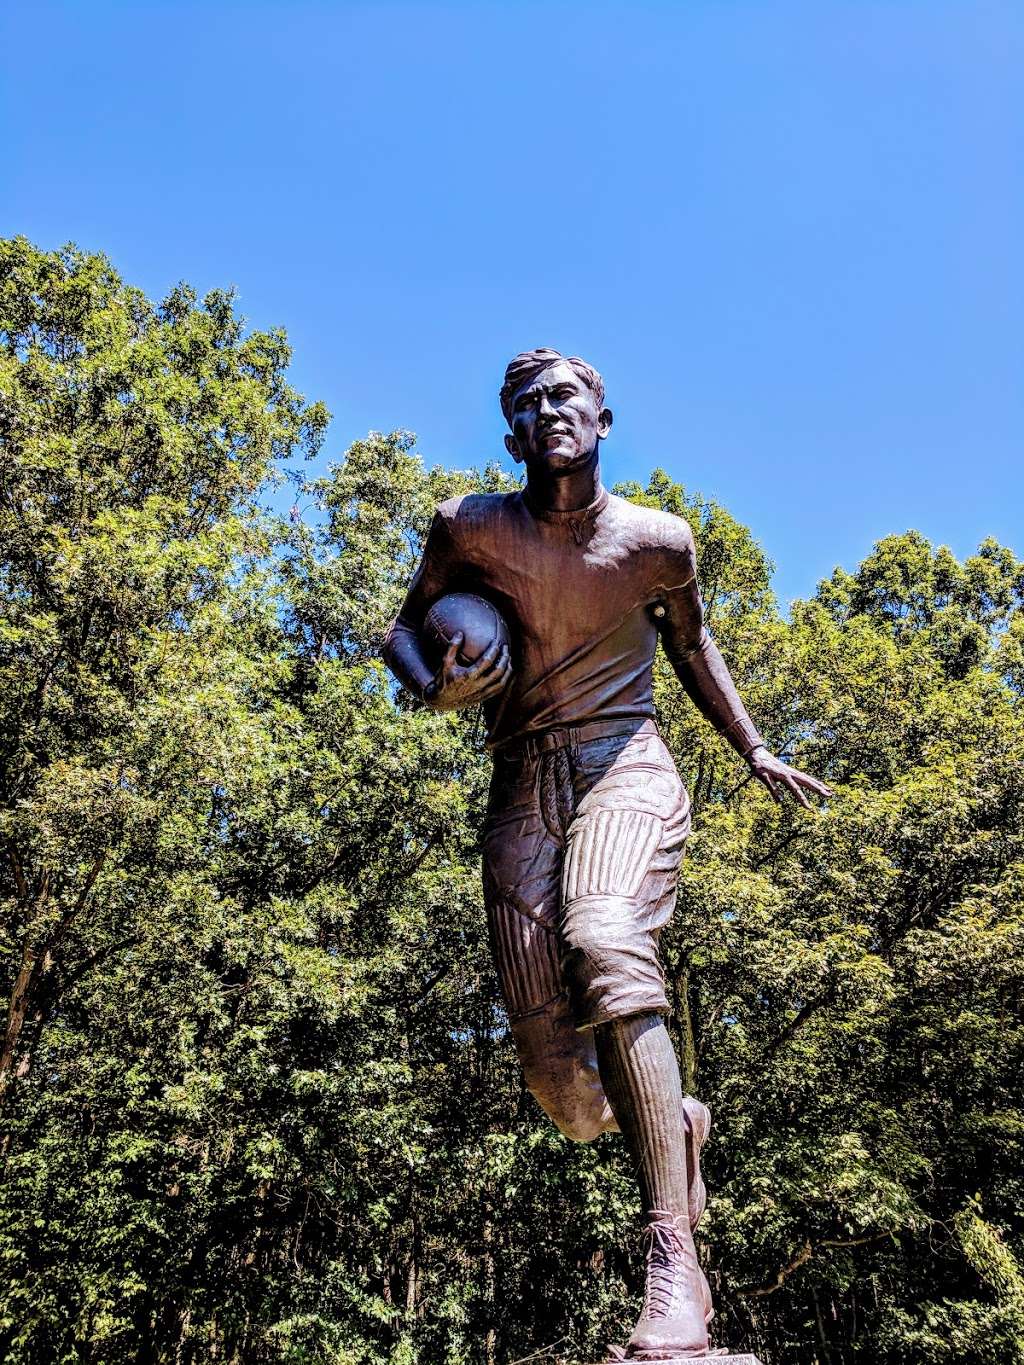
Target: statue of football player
587 816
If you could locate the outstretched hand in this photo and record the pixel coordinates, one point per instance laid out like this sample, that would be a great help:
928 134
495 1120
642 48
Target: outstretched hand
457 685
779 777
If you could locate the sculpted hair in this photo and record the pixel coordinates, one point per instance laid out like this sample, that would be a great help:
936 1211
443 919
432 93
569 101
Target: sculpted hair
527 365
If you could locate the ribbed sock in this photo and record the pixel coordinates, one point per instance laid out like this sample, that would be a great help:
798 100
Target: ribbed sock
640 1075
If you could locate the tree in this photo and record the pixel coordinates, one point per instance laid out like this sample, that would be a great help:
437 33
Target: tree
260 1102
134 440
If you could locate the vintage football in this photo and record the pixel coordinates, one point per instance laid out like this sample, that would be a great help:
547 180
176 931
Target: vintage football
479 621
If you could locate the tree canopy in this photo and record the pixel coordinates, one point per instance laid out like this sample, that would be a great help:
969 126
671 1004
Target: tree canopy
258 1102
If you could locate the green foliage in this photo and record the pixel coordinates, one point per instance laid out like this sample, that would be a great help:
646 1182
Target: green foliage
259 1101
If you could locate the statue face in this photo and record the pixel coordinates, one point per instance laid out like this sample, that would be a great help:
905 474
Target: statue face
556 423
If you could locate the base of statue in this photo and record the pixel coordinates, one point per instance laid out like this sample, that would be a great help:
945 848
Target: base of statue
617 1356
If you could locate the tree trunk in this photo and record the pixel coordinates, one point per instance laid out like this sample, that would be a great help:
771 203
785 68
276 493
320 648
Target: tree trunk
689 1039
21 1003
490 1335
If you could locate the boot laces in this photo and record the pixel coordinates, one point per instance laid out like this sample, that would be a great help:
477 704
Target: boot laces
665 1253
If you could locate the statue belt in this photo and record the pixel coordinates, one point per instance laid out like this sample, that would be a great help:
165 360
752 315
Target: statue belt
569 736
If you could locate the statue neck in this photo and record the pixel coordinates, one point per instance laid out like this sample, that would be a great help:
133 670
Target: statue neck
565 492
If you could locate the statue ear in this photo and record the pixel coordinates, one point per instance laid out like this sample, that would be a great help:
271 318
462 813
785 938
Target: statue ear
512 446
604 423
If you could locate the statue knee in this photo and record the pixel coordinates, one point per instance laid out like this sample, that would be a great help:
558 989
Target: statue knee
561 1071
570 1092
582 1128
580 1117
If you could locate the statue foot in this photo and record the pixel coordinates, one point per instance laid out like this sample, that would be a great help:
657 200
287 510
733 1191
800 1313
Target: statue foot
673 1321
698 1125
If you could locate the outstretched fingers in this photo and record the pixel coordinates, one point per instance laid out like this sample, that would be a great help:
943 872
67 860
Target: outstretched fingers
793 785
782 780
811 783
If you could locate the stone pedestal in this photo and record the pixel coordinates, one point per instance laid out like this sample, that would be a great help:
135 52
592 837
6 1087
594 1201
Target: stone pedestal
718 1357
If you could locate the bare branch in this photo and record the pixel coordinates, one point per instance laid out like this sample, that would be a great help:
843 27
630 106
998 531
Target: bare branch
803 1014
19 876
805 1253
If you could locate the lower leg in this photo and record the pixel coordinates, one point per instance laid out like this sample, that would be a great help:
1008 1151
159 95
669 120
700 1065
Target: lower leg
641 1078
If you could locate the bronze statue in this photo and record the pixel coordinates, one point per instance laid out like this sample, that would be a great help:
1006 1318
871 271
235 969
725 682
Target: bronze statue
587 816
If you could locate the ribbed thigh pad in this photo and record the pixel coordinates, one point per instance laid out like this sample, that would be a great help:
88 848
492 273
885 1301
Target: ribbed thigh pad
609 852
618 888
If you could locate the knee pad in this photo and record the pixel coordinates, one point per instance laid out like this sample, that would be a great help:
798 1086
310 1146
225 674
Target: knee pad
611 961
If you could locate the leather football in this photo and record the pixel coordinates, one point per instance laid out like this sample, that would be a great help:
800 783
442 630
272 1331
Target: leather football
479 621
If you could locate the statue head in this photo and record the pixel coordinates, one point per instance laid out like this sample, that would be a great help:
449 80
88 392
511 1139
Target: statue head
554 405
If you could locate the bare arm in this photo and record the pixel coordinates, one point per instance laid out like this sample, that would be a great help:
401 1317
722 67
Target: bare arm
699 666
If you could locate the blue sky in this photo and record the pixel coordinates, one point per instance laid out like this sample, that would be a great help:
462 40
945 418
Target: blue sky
789 234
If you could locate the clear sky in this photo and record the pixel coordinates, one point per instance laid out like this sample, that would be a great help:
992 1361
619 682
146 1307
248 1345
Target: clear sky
791 235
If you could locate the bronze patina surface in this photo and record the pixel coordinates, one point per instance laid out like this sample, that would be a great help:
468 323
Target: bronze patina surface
587 817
